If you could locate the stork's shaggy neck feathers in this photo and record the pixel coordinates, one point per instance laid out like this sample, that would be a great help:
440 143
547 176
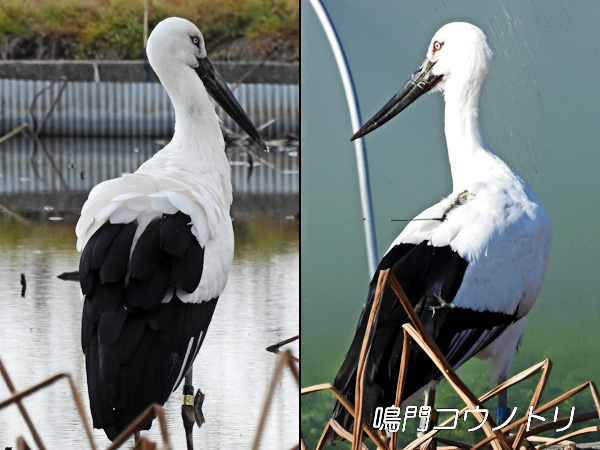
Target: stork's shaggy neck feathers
466 146
463 61
197 128
197 146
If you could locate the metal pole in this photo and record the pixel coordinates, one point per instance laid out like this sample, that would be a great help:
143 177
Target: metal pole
359 145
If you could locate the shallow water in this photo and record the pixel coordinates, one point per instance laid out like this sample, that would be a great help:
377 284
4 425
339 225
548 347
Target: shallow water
41 192
39 337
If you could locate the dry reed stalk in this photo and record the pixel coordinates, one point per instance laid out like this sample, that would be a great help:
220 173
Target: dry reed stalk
285 359
543 366
401 379
338 429
552 403
547 426
325 433
540 428
534 402
152 412
290 360
467 396
497 439
568 436
14 132
267 402
21 444
349 407
15 215
50 110
55 168
595 396
521 376
315 388
552 425
22 410
48 381
362 360
426 342
144 444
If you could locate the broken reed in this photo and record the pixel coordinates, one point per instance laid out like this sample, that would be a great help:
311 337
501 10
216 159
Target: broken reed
498 439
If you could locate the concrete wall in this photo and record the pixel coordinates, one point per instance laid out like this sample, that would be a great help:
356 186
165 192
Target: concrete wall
269 72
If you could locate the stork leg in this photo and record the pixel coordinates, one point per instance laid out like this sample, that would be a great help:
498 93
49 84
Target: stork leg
187 409
502 411
429 444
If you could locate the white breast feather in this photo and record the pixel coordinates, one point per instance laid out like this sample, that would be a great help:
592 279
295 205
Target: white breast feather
503 234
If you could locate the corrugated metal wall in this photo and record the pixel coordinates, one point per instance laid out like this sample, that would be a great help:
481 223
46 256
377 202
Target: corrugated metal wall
135 109
78 164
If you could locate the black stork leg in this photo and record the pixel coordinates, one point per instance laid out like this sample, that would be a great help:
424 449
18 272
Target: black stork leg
430 444
187 409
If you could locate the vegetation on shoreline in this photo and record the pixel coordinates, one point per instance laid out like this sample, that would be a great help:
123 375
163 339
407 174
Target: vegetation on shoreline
88 29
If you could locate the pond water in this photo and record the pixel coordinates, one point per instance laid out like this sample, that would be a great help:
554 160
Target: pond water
40 332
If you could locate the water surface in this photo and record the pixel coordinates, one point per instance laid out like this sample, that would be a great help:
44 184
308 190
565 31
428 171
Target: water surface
40 332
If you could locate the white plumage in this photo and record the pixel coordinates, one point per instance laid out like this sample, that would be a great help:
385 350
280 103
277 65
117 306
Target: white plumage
157 245
144 196
478 263
500 217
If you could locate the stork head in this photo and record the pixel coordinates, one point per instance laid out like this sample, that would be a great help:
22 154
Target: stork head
458 57
176 45
175 41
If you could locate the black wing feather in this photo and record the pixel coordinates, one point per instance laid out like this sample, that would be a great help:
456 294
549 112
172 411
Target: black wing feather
107 296
430 277
86 276
134 345
147 254
174 235
114 264
148 293
102 244
187 269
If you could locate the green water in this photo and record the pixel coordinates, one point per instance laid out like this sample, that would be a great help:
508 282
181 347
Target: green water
539 112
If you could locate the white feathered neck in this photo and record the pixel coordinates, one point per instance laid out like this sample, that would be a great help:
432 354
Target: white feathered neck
197 146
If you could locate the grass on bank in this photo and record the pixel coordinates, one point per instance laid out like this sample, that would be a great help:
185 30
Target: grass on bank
88 29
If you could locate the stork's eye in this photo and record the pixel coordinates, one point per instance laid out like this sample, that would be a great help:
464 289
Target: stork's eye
437 45
195 40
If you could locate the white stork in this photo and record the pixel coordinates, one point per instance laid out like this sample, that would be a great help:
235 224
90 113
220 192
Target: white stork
158 244
473 264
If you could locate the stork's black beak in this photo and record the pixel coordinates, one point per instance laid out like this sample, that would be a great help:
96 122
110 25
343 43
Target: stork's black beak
218 89
420 82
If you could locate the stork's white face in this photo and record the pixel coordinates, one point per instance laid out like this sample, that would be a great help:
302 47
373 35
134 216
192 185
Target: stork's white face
174 47
458 50
458 58
175 41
